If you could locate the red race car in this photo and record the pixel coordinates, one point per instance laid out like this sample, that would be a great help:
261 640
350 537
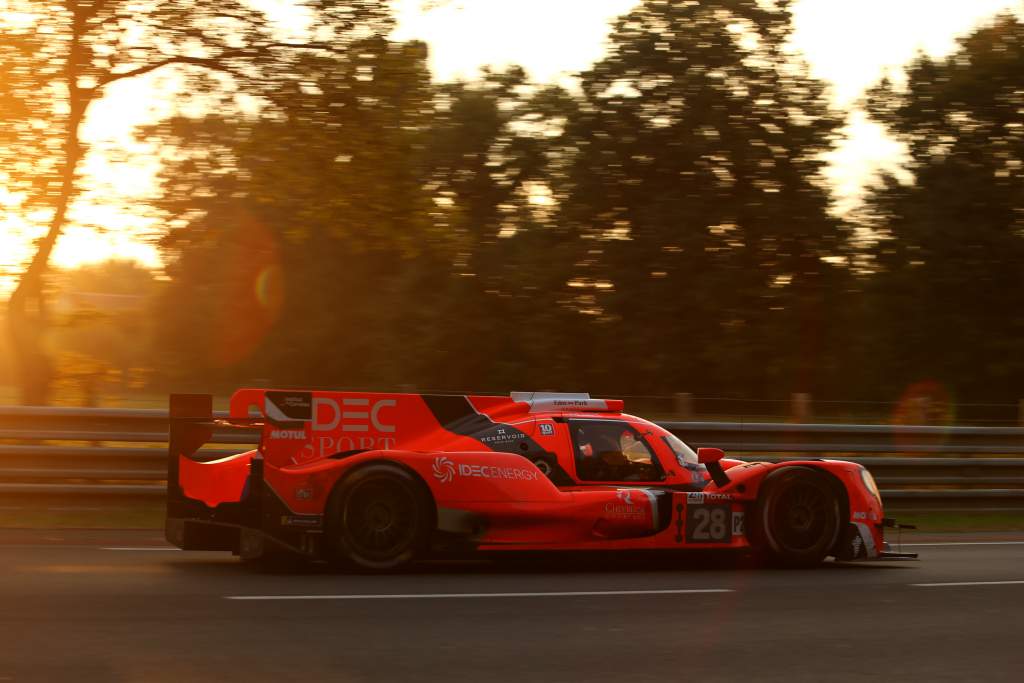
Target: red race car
376 480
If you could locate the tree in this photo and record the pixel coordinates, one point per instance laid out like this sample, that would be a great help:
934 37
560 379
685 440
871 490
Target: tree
692 183
397 214
950 288
60 58
661 228
103 322
324 203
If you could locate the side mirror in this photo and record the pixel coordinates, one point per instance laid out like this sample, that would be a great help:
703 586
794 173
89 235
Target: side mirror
710 458
709 455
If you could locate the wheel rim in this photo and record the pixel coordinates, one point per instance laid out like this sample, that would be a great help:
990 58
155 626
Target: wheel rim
801 517
380 519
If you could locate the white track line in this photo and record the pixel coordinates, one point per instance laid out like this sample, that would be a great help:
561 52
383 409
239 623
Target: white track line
143 548
968 583
936 545
434 596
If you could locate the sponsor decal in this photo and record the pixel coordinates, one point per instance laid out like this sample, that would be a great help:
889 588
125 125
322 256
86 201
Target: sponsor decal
444 469
286 406
547 429
625 509
326 445
352 415
303 494
357 424
502 436
864 538
572 403
701 498
860 515
738 524
492 472
288 434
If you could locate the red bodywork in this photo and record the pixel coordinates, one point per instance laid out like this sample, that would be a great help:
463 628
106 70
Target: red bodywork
503 472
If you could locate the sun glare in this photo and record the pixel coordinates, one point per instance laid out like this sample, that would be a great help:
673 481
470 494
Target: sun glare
548 39
853 44
78 246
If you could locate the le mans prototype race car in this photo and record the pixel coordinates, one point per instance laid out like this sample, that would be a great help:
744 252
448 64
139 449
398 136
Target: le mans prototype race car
374 481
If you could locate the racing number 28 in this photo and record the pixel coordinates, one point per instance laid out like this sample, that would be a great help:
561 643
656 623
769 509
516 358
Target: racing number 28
708 524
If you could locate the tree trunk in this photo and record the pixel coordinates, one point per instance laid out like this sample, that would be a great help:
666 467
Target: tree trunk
26 311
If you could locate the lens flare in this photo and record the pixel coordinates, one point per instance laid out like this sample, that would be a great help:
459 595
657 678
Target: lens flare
252 295
270 288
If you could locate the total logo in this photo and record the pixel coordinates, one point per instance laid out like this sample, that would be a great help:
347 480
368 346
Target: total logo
699 498
445 471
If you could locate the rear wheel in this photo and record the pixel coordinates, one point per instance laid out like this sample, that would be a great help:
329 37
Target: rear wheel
379 518
797 517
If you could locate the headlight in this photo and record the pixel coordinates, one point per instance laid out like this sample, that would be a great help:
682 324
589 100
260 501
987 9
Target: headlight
869 483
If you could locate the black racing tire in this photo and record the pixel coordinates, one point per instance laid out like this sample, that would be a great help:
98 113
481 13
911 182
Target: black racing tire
379 519
797 518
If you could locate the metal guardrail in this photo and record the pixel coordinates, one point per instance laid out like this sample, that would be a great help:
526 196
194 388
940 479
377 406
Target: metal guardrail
121 454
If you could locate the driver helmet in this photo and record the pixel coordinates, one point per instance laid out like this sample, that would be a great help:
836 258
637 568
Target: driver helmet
586 448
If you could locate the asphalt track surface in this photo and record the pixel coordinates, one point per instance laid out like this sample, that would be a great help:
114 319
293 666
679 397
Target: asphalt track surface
120 606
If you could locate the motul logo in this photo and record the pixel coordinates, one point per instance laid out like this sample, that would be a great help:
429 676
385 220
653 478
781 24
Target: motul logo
289 434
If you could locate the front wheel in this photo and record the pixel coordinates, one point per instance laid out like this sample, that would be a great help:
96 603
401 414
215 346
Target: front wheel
797 518
379 518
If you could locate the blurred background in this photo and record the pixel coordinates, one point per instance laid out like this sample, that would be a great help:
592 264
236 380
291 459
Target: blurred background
807 210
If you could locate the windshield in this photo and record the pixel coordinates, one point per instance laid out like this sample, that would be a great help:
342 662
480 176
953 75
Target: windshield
684 454
612 450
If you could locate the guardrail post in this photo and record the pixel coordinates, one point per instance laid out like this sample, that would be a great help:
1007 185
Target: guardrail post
683 403
800 407
920 409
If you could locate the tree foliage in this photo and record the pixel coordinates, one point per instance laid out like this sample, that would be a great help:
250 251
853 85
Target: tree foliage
58 58
495 234
947 303
695 152
662 225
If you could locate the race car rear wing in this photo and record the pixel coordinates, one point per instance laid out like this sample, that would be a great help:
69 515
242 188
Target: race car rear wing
191 425
223 508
